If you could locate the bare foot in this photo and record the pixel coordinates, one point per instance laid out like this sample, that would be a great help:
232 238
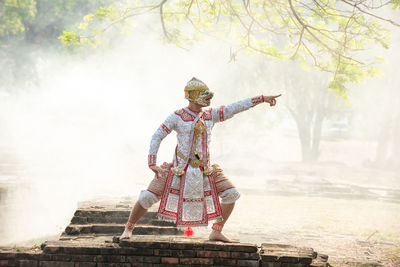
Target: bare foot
127 234
218 236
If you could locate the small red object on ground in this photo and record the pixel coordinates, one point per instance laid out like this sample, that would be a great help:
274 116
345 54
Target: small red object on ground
188 231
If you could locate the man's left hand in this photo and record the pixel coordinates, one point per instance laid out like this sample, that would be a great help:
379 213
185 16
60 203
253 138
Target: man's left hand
271 99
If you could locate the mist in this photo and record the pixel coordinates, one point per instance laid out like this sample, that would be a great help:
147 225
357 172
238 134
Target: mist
83 130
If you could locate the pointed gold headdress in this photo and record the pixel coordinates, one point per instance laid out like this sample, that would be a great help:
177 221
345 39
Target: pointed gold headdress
193 89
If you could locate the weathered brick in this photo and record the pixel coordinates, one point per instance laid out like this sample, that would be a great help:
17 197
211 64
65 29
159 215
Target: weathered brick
169 260
105 264
109 258
7 263
53 249
271 264
134 259
79 258
223 261
245 255
81 250
151 259
61 257
85 264
136 251
109 251
7 256
142 264
213 254
143 244
162 252
286 264
205 261
230 247
56 264
28 263
186 246
183 253
248 263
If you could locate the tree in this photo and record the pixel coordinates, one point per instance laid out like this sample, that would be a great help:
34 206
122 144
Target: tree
330 35
28 27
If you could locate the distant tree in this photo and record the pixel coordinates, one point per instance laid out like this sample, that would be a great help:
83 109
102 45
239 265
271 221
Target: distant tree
28 27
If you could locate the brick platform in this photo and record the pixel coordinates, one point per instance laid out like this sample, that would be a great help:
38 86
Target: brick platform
107 217
158 250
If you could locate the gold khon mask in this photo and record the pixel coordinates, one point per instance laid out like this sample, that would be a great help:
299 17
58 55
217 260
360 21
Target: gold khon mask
197 92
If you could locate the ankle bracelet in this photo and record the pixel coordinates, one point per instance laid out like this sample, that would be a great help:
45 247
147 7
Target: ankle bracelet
130 225
217 226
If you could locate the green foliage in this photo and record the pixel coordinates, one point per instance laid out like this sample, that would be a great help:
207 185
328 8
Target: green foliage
36 25
70 38
316 34
37 246
14 14
395 4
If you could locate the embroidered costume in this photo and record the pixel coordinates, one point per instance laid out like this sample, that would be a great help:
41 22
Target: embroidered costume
190 194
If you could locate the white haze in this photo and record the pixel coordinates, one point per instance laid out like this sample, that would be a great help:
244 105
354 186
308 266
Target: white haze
86 130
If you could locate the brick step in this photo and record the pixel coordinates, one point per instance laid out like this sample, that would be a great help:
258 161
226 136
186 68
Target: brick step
280 255
110 213
119 220
108 229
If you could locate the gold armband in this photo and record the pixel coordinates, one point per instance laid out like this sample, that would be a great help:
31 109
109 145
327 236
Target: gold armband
178 171
208 170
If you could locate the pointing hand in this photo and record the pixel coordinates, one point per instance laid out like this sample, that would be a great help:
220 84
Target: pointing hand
271 99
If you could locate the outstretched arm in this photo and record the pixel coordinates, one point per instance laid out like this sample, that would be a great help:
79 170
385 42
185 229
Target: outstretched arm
162 131
226 112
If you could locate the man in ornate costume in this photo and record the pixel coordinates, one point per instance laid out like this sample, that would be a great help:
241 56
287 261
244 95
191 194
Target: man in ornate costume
189 188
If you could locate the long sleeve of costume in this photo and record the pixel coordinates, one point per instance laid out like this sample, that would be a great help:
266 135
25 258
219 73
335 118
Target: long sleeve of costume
162 131
226 112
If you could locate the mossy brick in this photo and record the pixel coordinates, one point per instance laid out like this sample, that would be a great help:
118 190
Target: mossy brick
56 264
169 260
213 254
191 261
248 263
28 263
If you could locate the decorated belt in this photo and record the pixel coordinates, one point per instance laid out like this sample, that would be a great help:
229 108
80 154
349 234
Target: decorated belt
195 163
